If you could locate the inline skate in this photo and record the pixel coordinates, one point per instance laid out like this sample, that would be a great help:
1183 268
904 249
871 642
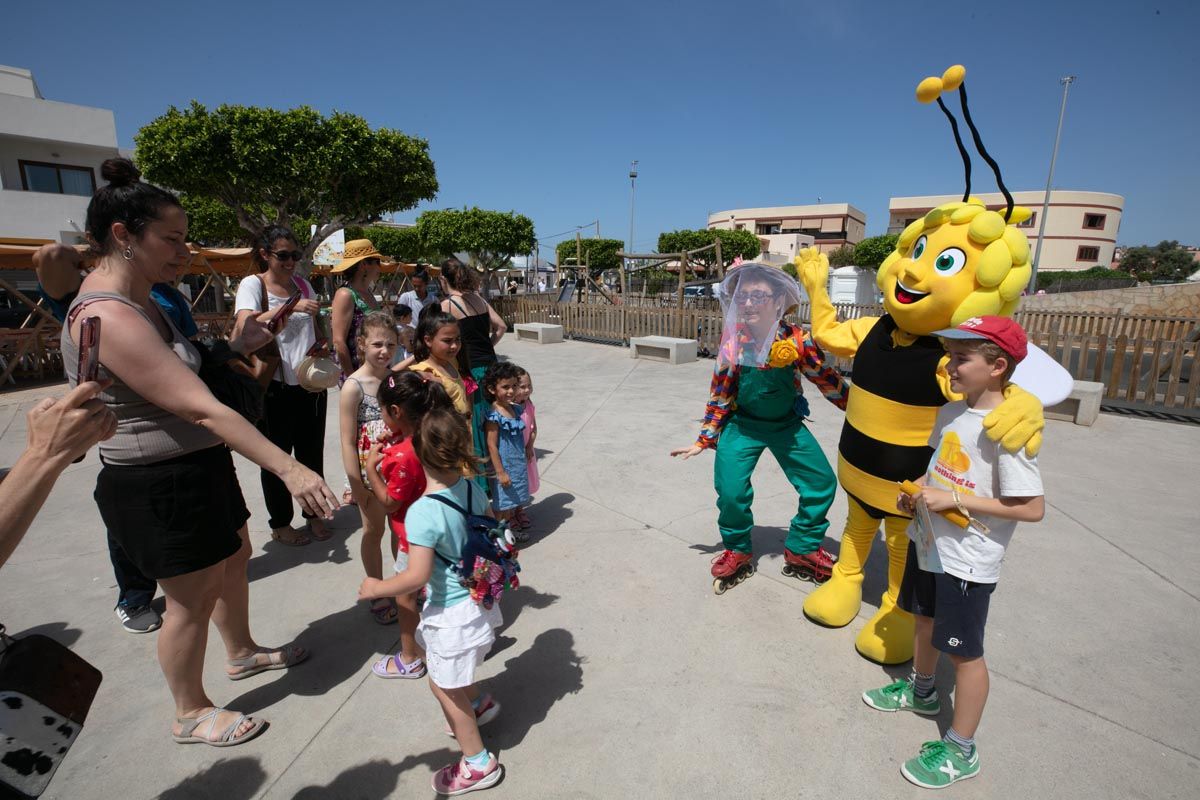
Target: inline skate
729 569
816 566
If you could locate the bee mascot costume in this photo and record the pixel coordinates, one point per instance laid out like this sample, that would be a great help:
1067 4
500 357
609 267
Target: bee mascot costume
959 261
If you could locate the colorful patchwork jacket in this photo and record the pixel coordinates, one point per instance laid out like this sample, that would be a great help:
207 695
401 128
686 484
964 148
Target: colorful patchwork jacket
806 359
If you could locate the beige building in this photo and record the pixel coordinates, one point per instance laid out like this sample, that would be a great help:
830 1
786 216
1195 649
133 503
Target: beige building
830 225
1081 227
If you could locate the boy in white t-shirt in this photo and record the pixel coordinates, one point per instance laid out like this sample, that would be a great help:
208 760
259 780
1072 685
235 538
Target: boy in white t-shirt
947 588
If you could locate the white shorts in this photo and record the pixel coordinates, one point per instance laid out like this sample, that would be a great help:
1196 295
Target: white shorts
455 639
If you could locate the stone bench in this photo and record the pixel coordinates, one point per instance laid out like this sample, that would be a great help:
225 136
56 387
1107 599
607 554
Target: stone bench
663 348
1082 405
539 332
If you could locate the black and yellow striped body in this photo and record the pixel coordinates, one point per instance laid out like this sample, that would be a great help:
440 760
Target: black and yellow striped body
893 403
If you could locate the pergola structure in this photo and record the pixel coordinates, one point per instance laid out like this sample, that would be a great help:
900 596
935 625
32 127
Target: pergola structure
38 334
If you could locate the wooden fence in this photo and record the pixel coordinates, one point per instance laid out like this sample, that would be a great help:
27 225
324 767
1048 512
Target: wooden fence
1141 360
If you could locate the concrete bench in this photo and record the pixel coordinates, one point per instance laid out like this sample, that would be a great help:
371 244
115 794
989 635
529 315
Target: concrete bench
663 348
1082 405
539 332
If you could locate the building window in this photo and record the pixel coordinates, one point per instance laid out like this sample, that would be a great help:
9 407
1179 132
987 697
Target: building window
1029 223
1094 222
767 229
1088 254
739 227
37 176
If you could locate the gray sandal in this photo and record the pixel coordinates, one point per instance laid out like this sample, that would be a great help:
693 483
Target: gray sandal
292 654
228 737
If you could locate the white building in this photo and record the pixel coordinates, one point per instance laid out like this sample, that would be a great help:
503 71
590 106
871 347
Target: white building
50 157
1081 227
830 225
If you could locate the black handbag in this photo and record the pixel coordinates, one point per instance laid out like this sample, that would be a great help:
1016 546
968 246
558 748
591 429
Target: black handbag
45 693
233 387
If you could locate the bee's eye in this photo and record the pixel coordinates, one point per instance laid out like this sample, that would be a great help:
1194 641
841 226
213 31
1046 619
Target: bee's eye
950 262
918 248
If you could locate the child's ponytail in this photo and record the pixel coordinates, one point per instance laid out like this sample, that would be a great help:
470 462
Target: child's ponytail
414 393
442 441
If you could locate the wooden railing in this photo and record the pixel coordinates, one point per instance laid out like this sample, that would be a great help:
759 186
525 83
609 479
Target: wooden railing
1140 359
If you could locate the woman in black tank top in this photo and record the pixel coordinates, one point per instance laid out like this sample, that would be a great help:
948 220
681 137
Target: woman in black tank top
480 327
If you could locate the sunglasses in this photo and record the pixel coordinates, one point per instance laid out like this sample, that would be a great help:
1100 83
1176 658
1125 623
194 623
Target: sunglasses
287 255
756 298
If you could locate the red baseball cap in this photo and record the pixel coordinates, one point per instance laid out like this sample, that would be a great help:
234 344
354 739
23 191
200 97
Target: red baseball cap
1005 333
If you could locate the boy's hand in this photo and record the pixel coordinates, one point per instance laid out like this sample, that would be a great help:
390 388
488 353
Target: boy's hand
369 589
937 500
688 452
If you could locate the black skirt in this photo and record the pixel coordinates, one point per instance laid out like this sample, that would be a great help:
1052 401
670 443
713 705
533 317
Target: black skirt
175 516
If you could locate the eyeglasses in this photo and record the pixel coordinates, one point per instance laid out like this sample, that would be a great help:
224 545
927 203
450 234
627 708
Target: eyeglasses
287 255
755 298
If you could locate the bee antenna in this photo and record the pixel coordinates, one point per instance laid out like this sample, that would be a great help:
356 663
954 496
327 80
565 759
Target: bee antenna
962 95
962 150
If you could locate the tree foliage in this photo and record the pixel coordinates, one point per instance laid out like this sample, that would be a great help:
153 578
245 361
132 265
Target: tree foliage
734 244
1165 261
842 256
870 252
598 254
211 223
490 238
402 244
271 166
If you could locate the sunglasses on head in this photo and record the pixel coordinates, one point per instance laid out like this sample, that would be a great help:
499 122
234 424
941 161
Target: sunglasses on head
287 255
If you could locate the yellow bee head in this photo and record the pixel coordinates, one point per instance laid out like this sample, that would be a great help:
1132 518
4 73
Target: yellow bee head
960 260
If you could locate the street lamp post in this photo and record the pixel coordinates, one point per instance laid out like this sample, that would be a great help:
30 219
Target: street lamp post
1037 253
632 188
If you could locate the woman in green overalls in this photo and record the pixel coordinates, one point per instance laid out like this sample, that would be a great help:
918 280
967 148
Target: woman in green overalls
756 403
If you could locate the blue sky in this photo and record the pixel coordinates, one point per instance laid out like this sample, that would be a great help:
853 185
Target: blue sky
540 106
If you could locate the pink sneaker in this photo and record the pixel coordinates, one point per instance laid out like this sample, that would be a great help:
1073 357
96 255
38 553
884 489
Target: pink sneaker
461 777
488 710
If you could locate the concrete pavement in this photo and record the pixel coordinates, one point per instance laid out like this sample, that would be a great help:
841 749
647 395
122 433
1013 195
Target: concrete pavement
620 673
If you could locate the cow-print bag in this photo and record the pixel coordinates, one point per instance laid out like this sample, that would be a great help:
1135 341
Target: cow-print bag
45 693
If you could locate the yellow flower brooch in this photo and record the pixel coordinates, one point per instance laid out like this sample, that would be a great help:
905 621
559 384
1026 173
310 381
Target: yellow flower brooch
784 353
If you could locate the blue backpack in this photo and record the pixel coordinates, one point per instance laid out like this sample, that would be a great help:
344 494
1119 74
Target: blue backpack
488 564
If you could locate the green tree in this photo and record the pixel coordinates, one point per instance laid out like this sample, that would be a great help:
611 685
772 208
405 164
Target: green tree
734 244
1166 261
870 252
598 254
842 256
402 244
286 167
490 238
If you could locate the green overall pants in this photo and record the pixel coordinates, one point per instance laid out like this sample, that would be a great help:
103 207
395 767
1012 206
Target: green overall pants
764 418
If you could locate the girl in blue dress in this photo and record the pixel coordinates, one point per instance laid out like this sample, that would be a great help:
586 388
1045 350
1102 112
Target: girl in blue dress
504 432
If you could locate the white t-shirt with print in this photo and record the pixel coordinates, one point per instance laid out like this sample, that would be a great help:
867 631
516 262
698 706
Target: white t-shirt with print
297 336
966 459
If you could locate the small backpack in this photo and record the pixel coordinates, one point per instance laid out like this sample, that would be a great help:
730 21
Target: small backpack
488 564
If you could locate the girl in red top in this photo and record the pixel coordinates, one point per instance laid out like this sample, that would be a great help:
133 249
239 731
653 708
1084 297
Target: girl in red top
397 480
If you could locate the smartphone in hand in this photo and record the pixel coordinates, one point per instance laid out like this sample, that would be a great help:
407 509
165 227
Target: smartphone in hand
277 320
89 349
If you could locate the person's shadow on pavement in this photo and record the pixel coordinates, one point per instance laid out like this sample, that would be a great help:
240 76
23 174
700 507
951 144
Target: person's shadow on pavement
229 779
511 605
377 778
548 514
342 644
531 684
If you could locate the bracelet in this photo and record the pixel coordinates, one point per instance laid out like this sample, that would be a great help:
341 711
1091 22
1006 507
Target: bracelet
959 504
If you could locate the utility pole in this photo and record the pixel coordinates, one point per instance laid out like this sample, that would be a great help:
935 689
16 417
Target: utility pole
1037 253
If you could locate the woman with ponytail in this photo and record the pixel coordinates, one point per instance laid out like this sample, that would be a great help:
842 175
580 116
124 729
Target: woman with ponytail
167 490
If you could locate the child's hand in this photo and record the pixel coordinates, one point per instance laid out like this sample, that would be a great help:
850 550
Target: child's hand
503 479
369 589
937 500
688 452
530 456
904 503
374 455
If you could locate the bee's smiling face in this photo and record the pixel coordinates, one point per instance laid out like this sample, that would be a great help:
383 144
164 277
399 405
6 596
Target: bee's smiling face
924 284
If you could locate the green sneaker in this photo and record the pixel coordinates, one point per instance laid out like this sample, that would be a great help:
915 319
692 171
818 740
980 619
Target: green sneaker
899 696
939 765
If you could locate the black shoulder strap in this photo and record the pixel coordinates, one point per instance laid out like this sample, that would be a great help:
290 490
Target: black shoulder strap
451 503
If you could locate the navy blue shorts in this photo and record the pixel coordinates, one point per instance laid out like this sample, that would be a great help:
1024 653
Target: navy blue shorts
958 608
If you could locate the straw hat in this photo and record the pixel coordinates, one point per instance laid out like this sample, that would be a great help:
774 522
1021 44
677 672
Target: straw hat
356 250
317 373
